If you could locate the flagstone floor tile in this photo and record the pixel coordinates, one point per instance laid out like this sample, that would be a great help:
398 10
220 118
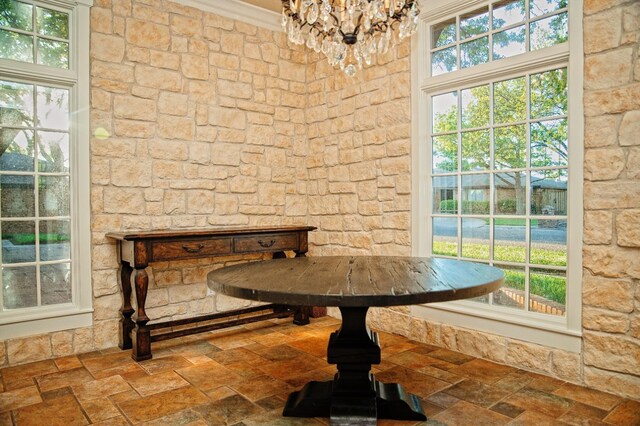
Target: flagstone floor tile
243 376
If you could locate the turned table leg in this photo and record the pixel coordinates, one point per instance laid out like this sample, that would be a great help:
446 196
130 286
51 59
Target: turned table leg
354 396
126 323
141 336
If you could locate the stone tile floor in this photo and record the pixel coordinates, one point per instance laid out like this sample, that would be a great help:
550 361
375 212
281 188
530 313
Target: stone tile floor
242 377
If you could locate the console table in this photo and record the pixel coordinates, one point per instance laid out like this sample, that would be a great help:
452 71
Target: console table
136 250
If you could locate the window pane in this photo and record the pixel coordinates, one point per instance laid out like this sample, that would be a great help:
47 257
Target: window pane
549 143
548 290
549 192
508 43
443 61
54 240
475 194
510 193
507 12
18 152
445 236
16 104
474 23
511 294
54 196
17 196
510 147
445 194
55 281
53 53
474 52
475 238
19 287
475 107
549 242
549 93
476 148
52 23
53 108
443 33
54 152
17 15
445 153
18 47
510 101
509 240
541 7
18 242
549 31
445 112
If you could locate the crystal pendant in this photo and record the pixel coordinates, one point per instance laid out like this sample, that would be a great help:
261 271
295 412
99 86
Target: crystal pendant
292 5
350 70
313 14
392 8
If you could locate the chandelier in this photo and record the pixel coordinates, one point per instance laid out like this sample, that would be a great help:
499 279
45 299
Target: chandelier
349 32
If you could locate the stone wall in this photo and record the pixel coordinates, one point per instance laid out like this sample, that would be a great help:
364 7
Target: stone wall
198 121
611 285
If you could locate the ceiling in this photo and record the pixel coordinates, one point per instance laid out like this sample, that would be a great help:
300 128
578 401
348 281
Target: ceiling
274 5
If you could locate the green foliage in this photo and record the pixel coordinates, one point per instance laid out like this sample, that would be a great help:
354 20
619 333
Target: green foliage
30 239
468 207
507 206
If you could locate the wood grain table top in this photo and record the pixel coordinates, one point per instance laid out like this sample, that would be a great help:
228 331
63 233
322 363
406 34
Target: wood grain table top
356 280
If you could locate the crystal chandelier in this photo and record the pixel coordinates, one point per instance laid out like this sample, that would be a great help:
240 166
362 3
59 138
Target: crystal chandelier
349 32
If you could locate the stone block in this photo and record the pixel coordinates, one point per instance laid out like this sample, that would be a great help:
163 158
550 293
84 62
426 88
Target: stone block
621 384
107 48
608 195
232 43
174 202
148 34
130 172
602 31
148 13
612 262
611 352
598 227
166 60
228 117
158 78
628 228
172 127
29 349
606 293
612 101
609 69
134 108
567 365
101 20
186 293
200 202
481 345
62 343
133 129
168 150
123 200
106 307
529 356
630 128
83 340
186 26
112 72
604 320
601 131
195 67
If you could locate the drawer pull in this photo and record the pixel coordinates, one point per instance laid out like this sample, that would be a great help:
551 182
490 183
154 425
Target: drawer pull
266 244
192 249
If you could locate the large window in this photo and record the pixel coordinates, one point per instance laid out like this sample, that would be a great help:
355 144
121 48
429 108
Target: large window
43 156
497 155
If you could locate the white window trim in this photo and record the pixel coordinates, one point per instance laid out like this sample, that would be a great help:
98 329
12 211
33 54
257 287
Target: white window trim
558 332
77 314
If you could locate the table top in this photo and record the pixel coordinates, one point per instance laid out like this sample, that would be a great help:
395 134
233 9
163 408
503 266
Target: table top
204 232
356 280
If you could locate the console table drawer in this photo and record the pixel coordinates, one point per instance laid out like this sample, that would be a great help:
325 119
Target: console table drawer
268 242
190 249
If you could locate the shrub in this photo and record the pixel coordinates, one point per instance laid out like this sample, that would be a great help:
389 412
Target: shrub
468 207
507 206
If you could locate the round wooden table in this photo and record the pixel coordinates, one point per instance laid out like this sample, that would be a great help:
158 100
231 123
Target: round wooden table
355 283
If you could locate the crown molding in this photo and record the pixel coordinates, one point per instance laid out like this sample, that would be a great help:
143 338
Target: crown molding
238 10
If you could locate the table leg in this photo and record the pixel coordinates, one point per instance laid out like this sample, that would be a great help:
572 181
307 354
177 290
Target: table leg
141 335
126 323
354 396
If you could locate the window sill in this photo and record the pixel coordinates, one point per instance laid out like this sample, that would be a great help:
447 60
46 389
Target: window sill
532 328
32 323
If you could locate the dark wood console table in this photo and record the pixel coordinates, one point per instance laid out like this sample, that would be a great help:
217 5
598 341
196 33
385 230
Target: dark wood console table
136 250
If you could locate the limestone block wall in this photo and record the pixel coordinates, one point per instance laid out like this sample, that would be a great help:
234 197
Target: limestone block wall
198 120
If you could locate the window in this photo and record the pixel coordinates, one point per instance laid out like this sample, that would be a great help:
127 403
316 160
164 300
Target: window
499 153
43 173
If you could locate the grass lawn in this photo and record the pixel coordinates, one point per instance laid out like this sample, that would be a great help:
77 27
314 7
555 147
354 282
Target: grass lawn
510 222
552 287
30 239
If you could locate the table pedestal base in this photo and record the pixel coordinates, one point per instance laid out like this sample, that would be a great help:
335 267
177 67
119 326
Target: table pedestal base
354 397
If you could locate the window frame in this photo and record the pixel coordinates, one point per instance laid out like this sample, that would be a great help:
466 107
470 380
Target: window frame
78 313
560 332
